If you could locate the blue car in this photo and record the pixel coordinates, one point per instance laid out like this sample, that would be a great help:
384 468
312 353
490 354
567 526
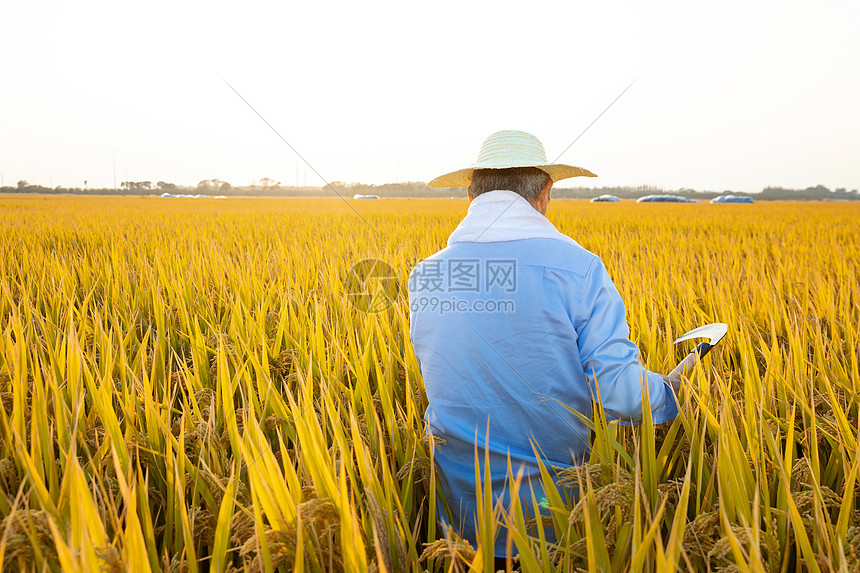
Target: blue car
665 199
732 199
606 199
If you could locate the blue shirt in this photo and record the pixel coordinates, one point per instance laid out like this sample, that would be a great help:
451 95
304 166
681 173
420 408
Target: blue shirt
507 319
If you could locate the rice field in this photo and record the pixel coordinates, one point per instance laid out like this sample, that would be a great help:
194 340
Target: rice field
188 385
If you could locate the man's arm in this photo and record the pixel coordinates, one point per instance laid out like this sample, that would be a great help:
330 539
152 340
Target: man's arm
611 360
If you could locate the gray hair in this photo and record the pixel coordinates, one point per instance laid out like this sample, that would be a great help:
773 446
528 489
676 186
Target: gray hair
525 181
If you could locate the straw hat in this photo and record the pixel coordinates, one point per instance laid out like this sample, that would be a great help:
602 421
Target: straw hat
506 149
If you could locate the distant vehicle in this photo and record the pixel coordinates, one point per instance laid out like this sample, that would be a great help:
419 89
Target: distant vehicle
605 199
732 199
359 196
665 199
183 196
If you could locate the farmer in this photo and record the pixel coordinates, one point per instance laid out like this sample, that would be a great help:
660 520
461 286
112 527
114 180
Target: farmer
510 321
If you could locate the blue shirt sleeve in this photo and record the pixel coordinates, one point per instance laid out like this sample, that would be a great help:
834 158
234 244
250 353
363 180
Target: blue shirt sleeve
611 360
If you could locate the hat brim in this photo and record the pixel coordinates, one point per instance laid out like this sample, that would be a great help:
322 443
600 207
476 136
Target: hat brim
463 177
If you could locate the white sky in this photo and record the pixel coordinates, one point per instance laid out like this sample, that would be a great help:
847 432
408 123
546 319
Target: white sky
730 95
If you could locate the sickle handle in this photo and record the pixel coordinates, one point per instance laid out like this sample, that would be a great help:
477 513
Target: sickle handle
686 365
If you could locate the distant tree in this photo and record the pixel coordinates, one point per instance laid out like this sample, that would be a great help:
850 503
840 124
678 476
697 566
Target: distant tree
136 185
23 183
225 186
164 186
210 185
268 183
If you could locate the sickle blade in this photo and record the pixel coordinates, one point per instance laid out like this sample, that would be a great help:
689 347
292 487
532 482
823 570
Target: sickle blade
714 332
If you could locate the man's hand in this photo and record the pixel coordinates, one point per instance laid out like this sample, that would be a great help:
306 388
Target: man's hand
674 382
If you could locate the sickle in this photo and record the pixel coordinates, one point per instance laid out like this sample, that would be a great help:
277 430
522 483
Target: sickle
713 332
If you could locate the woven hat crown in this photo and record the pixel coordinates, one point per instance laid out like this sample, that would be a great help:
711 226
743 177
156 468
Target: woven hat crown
510 148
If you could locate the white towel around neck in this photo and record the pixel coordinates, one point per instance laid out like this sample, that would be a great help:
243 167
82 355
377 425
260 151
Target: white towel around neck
499 216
